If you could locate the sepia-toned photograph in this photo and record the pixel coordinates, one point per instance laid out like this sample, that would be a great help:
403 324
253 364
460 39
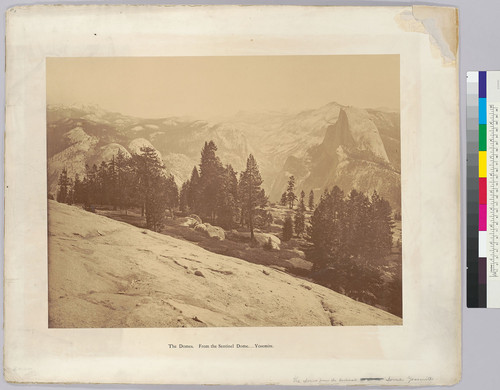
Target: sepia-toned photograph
245 191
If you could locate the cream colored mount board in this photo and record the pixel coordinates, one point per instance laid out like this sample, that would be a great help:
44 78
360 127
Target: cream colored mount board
360 102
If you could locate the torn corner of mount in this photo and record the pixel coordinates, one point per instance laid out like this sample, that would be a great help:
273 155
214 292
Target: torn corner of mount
439 23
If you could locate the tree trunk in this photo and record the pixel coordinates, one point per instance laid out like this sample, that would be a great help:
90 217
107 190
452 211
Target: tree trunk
252 237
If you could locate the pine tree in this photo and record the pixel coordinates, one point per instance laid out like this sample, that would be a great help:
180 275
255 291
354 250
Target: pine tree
252 195
328 229
300 216
78 190
64 187
227 201
193 196
284 199
103 184
183 197
358 225
349 237
290 195
125 179
287 229
241 196
91 186
380 239
151 187
70 199
210 180
311 200
112 176
171 194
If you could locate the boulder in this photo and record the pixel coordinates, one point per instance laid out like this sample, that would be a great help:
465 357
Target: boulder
190 222
211 231
201 227
195 217
263 239
215 232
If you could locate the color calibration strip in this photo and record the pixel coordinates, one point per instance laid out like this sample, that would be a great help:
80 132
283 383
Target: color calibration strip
483 189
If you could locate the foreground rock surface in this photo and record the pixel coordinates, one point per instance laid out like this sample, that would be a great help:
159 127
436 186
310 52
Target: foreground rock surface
104 273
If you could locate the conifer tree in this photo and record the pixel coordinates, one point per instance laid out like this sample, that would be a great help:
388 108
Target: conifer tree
91 185
311 200
125 179
283 200
71 192
287 229
328 232
358 225
300 216
349 237
78 195
171 193
183 197
252 195
210 180
290 195
64 187
112 176
150 186
380 239
102 184
193 196
241 196
227 204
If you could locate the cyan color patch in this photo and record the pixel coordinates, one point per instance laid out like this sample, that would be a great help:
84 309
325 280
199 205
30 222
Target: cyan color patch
482 111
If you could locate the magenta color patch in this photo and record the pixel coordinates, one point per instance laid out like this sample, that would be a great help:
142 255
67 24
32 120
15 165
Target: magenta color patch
482 217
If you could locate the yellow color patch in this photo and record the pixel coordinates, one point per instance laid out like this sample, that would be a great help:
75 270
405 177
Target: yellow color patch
482 164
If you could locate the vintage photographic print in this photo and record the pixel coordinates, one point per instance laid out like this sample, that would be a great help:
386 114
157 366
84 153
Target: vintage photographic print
245 191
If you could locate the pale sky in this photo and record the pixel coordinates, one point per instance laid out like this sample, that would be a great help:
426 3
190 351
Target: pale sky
203 87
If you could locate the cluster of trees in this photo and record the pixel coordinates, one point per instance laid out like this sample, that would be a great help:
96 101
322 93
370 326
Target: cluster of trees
349 236
298 224
289 198
124 182
218 194
214 191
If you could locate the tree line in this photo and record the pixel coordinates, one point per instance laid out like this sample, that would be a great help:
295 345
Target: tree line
124 182
215 192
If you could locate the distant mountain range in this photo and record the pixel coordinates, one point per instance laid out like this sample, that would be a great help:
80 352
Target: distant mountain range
334 144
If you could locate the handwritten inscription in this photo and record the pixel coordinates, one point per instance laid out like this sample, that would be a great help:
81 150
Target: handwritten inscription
346 380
